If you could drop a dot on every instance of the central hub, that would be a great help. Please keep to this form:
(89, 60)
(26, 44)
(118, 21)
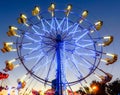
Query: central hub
(58, 38)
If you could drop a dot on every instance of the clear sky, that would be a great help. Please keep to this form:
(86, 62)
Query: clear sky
(106, 10)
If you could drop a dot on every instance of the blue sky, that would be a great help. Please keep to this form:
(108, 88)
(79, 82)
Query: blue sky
(106, 10)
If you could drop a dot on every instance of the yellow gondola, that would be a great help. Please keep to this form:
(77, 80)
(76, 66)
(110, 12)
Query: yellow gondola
(12, 31)
(23, 19)
(36, 11)
(111, 60)
(106, 78)
(98, 25)
(51, 9)
(6, 49)
(83, 16)
(68, 9)
(9, 66)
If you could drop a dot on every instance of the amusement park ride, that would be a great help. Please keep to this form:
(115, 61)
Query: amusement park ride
(58, 48)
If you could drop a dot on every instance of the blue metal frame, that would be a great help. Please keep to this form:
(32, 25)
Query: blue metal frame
(53, 38)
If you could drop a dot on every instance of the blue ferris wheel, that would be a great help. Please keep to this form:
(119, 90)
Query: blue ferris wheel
(58, 46)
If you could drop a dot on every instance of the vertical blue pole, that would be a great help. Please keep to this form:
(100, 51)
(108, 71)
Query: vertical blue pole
(58, 74)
